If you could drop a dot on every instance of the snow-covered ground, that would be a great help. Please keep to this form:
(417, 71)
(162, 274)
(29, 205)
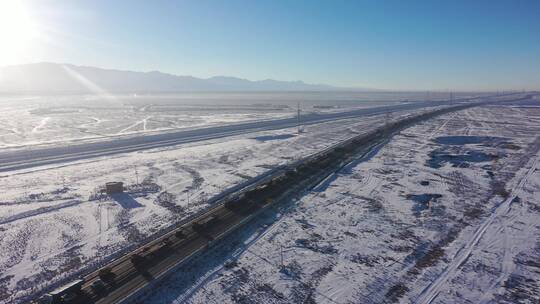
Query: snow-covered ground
(61, 118)
(447, 212)
(54, 220)
(43, 119)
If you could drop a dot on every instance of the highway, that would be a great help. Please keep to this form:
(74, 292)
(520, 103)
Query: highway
(32, 156)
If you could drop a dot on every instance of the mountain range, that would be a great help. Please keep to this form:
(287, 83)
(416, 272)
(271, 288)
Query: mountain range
(68, 78)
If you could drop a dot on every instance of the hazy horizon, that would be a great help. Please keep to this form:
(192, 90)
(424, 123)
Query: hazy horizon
(60, 78)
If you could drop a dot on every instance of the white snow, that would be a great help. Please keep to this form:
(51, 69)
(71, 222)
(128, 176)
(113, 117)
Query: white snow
(53, 119)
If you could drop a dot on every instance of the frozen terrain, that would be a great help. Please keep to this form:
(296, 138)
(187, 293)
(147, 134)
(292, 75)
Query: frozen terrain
(55, 222)
(45, 119)
(446, 212)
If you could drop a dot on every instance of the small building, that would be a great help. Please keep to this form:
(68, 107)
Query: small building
(114, 187)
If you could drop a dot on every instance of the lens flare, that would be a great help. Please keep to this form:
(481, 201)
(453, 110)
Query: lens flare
(17, 31)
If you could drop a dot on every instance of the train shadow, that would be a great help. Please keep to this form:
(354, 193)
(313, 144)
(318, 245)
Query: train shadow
(348, 168)
(125, 200)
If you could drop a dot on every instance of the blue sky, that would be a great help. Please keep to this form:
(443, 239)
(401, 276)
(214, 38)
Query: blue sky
(436, 45)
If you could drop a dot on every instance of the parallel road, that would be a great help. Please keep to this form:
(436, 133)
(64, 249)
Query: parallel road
(36, 156)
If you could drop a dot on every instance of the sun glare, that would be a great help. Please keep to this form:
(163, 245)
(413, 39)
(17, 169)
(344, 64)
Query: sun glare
(17, 31)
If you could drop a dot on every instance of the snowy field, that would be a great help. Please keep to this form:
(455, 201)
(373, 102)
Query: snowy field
(447, 212)
(54, 221)
(38, 120)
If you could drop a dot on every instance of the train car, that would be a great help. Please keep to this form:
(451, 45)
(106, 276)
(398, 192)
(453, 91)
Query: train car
(137, 260)
(235, 204)
(63, 294)
(324, 162)
(202, 226)
(99, 287)
(307, 168)
(289, 174)
(278, 179)
(106, 274)
(180, 234)
(162, 249)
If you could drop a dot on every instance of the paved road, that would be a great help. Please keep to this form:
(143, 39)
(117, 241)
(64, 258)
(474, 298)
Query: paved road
(31, 157)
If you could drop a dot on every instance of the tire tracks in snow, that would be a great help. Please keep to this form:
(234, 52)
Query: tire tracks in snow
(441, 127)
(41, 125)
(39, 211)
(143, 122)
(431, 292)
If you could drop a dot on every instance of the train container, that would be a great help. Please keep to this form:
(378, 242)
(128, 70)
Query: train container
(63, 294)
(137, 260)
(162, 249)
(202, 226)
(106, 274)
(180, 234)
(240, 205)
(99, 287)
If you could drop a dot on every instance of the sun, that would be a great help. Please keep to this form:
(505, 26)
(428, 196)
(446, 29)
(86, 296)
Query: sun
(17, 31)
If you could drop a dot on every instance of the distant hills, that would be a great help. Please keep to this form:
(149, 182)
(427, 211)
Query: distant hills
(68, 78)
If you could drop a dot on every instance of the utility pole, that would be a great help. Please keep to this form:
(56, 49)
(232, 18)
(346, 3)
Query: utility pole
(298, 116)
